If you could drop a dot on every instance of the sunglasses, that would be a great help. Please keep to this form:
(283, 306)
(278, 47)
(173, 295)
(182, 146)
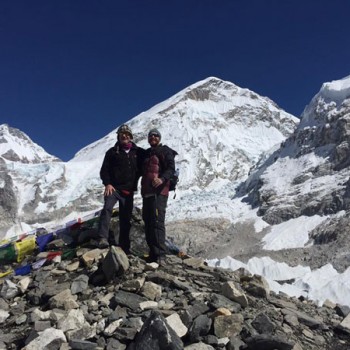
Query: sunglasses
(153, 135)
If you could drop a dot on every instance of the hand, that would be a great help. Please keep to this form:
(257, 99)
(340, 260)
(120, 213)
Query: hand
(109, 189)
(157, 182)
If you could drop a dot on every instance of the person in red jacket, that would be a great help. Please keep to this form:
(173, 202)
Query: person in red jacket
(158, 167)
(119, 174)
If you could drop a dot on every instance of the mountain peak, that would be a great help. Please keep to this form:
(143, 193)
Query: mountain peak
(16, 146)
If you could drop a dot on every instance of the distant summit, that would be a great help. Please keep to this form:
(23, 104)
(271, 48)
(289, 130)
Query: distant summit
(16, 146)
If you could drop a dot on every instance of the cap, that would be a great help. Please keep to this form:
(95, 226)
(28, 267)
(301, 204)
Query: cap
(154, 132)
(125, 129)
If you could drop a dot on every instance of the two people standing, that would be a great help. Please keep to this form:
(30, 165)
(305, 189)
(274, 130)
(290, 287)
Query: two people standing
(122, 166)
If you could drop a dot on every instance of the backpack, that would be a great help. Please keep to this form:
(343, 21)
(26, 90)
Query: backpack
(174, 180)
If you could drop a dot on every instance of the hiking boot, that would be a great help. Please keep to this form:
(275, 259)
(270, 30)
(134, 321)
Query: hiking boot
(150, 259)
(103, 243)
(161, 260)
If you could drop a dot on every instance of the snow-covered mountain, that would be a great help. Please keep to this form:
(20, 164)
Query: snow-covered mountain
(253, 183)
(16, 146)
(219, 130)
(309, 174)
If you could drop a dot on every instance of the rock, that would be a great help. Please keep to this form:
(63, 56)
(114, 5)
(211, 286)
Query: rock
(40, 326)
(192, 312)
(4, 315)
(133, 285)
(73, 320)
(199, 346)
(345, 324)
(197, 313)
(221, 311)
(303, 318)
(200, 328)
(194, 262)
(112, 327)
(148, 305)
(233, 292)
(235, 343)
(92, 256)
(228, 326)
(78, 344)
(24, 283)
(265, 342)
(73, 266)
(218, 301)
(50, 338)
(151, 291)
(64, 300)
(115, 263)
(263, 324)
(342, 310)
(79, 284)
(256, 285)
(130, 300)
(9, 290)
(174, 321)
(157, 335)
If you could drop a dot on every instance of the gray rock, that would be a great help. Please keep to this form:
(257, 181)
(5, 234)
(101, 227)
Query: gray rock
(303, 318)
(232, 291)
(218, 300)
(263, 324)
(9, 290)
(49, 339)
(235, 343)
(40, 326)
(342, 310)
(266, 342)
(199, 346)
(156, 335)
(151, 291)
(4, 315)
(200, 328)
(228, 326)
(79, 284)
(130, 300)
(78, 344)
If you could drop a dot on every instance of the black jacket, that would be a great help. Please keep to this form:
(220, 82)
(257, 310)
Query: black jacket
(121, 169)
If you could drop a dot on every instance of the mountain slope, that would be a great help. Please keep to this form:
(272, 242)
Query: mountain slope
(219, 130)
(16, 146)
(308, 175)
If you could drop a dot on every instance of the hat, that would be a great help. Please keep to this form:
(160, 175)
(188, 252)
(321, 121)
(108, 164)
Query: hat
(155, 132)
(125, 129)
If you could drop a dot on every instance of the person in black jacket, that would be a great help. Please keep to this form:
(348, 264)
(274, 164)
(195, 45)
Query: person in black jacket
(158, 167)
(119, 174)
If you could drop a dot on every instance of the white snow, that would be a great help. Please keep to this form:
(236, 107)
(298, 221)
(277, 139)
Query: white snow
(293, 233)
(337, 90)
(318, 285)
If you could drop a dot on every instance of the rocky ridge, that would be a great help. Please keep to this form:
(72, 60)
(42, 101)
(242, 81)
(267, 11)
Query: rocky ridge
(88, 298)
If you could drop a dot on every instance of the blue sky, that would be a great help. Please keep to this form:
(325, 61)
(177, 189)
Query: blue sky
(73, 70)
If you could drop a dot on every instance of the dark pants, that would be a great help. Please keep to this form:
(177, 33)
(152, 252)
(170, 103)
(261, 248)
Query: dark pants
(126, 204)
(153, 214)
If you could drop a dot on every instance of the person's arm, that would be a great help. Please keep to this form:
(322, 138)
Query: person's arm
(105, 175)
(169, 165)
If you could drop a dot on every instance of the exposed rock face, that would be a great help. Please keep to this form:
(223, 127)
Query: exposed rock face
(8, 200)
(314, 164)
(176, 306)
